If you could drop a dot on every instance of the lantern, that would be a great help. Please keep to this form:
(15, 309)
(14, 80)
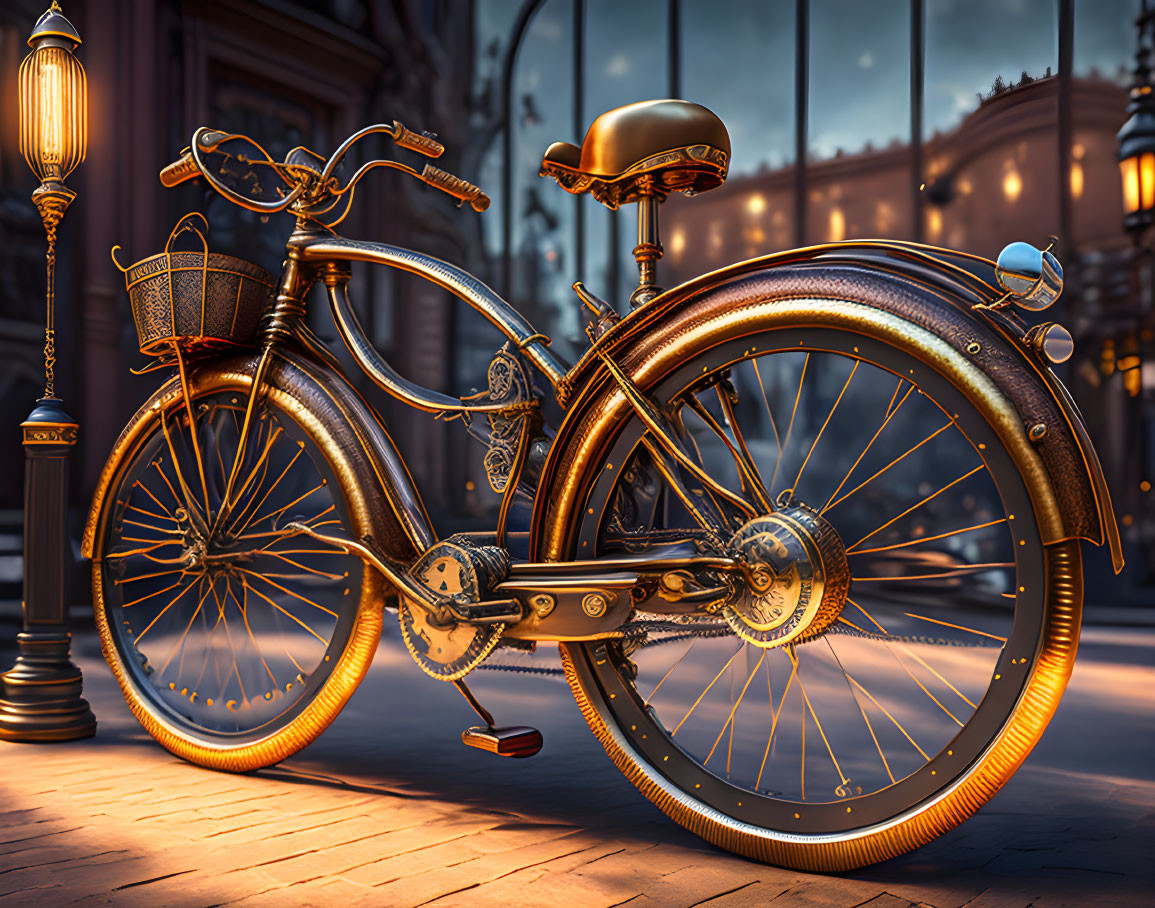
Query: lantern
(53, 100)
(1136, 139)
(1137, 162)
(53, 138)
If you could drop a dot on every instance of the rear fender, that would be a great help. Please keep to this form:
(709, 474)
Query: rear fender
(935, 289)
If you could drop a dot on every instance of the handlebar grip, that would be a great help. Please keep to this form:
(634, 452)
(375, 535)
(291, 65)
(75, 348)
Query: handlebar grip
(456, 187)
(179, 171)
(414, 141)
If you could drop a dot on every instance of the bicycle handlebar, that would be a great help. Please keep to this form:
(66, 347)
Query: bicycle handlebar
(313, 191)
(456, 187)
(185, 168)
(413, 141)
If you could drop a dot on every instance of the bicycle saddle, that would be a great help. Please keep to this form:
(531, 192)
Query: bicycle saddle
(648, 148)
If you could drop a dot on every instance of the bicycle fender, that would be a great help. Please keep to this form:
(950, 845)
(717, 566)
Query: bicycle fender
(400, 526)
(934, 289)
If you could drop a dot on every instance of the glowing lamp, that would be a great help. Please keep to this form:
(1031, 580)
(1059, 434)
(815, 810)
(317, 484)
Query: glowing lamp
(53, 137)
(1136, 158)
(53, 100)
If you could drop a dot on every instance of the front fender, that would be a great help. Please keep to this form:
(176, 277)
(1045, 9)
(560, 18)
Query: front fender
(390, 509)
(935, 289)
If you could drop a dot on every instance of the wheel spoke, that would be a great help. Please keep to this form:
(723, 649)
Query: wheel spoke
(965, 569)
(915, 656)
(922, 539)
(774, 719)
(170, 604)
(861, 710)
(288, 591)
(958, 627)
(790, 425)
(731, 417)
(896, 460)
(915, 507)
(886, 713)
(693, 640)
(829, 416)
(766, 401)
(707, 690)
(246, 585)
(746, 471)
(867, 614)
(922, 687)
(730, 718)
(192, 428)
(233, 528)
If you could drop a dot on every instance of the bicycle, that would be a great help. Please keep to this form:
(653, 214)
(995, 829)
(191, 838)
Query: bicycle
(728, 566)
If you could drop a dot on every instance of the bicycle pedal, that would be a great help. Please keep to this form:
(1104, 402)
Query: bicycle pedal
(514, 741)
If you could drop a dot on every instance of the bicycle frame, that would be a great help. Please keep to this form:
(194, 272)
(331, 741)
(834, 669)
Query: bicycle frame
(321, 250)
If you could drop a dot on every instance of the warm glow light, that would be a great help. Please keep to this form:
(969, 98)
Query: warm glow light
(1076, 180)
(50, 113)
(53, 112)
(1012, 185)
(934, 222)
(756, 204)
(837, 225)
(678, 243)
(1147, 180)
(883, 217)
(1129, 169)
(715, 237)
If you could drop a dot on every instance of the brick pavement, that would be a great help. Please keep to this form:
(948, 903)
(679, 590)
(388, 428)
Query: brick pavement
(388, 808)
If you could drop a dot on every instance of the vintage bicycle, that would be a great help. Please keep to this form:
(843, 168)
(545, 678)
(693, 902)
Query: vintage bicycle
(806, 535)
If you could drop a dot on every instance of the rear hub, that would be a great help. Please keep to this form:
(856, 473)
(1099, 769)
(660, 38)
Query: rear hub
(811, 579)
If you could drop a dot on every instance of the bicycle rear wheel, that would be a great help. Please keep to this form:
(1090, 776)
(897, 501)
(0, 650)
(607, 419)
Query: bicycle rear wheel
(235, 639)
(893, 718)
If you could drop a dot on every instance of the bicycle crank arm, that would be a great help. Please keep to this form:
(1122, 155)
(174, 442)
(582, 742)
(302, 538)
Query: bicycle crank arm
(442, 612)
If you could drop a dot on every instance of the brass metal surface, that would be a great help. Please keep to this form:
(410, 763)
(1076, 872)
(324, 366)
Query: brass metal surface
(931, 287)
(811, 578)
(321, 249)
(643, 148)
(319, 411)
(833, 853)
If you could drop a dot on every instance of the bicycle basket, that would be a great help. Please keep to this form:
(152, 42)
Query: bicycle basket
(197, 299)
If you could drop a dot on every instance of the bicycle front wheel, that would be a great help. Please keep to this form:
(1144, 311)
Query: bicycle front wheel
(235, 638)
(898, 713)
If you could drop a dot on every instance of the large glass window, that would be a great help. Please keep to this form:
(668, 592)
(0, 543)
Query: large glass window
(737, 59)
(858, 176)
(543, 235)
(990, 158)
(625, 61)
(1104, 55)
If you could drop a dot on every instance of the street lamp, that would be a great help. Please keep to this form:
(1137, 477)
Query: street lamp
(1136, 139)
(40, 697)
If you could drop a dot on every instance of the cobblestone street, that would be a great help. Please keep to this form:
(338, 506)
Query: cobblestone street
(388, 808)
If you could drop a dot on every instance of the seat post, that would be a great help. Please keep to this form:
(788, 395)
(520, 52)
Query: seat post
(649, 248)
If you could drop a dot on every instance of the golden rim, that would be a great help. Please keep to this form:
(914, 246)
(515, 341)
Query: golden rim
(354, 660)
(921, 824)
(694, 332)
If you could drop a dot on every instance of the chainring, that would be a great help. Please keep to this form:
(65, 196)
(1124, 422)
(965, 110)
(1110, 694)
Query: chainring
(446, 653)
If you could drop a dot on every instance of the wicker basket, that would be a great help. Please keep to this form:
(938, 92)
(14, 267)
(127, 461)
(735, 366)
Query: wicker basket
(195, 299)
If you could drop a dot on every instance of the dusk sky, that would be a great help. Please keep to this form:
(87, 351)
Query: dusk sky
(738, 58)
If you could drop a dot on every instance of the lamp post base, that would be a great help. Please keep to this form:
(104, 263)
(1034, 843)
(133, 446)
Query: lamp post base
(40, 696)
(42, 699)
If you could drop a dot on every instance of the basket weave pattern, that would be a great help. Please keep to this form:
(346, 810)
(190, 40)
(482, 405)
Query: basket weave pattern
(196, 299)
